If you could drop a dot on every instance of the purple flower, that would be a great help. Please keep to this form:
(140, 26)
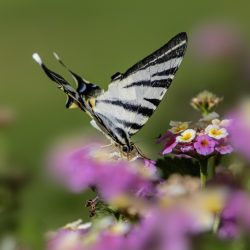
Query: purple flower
(69, 237)
(75, 167)
(170, 143)
(235, 216)
(239, 129)
(162, 230)
(110, 241)
(224, 149)
(92, 165)
(151, 164)
(187, 148)
(204, 145)
(216, 40)
(114, 180)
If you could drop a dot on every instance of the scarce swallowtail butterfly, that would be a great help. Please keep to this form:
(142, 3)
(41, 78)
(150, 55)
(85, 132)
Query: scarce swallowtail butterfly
(131, 98)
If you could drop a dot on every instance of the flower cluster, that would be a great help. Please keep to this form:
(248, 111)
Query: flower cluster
(94, 166)
(205, 102)
(202, 139)
(137, 207)
(165, 222)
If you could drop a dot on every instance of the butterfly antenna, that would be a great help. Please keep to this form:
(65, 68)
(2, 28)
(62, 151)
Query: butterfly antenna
(76, 77)
(59, 60)
(81, 83)
(140, 153)
(62, 63)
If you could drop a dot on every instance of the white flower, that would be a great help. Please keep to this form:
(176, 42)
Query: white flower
(216, 132)
(186, 136)
(222, 123)
(178, 127)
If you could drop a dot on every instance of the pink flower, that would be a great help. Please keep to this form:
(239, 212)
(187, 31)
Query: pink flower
(187, 148)
(170, 143)
(204, 145)
(239, 129)
(235, 216)
(68, 237)
(91, 165)
(163, 230)
(224, 149)
(216, 40)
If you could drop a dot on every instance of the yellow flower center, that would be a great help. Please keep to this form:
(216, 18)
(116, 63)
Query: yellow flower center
(215, 132)
(187, 136)
(179, 128)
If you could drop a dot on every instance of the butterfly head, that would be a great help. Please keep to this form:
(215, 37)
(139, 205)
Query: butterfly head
(131, 151)
(128, 151)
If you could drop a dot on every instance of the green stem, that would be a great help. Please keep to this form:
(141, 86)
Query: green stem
(203, 172)
(216, 223)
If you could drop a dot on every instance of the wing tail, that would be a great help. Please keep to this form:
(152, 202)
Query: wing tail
(74, 98)
(84, 87)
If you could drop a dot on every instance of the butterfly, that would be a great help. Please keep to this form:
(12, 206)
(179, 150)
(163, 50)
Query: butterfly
(132, 97)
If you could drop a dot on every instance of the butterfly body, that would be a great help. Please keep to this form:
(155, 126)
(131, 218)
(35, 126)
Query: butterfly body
(131, 98)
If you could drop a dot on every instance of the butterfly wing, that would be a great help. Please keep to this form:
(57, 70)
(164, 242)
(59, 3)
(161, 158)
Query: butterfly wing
(133, 96)
(78, 97)
(75, 97)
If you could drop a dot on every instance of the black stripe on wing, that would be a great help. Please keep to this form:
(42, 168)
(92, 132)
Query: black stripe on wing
(137, 109)
(112, 128)
(153, 101)
(167, 72)
(126, 124)
(153, 84)
(154, 74)
(155, 57)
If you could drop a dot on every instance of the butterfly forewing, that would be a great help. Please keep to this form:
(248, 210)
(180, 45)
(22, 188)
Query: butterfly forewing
(133, 96)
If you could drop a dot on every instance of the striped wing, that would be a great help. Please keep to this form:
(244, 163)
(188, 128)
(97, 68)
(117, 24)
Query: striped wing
(133, 96)
(75, 97)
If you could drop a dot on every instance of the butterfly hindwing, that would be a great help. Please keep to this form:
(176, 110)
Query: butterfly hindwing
(75, 97)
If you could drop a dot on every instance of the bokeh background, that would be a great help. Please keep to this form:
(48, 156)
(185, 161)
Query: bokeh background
(97, 39)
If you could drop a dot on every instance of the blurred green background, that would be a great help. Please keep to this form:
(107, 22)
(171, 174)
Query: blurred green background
(97, 39)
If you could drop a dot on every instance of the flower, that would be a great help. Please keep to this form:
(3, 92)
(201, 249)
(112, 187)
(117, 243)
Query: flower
(216, 132)
(170, 143)
(178, 185)
(235, 215)
(91, 165)
(186, 136)
(205, 102)
(163, 230)
(222, 123)
(204, 145)
(223, 147)
(217, 40)
(178, 127)
(239, 128)
(68, 237)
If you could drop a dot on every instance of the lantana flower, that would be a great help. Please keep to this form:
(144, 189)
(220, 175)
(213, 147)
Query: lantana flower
(216, 132)
(186, 136)
(204, 145)
(178, 127)
(240, 128)
(206, 137)
(79, 168)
